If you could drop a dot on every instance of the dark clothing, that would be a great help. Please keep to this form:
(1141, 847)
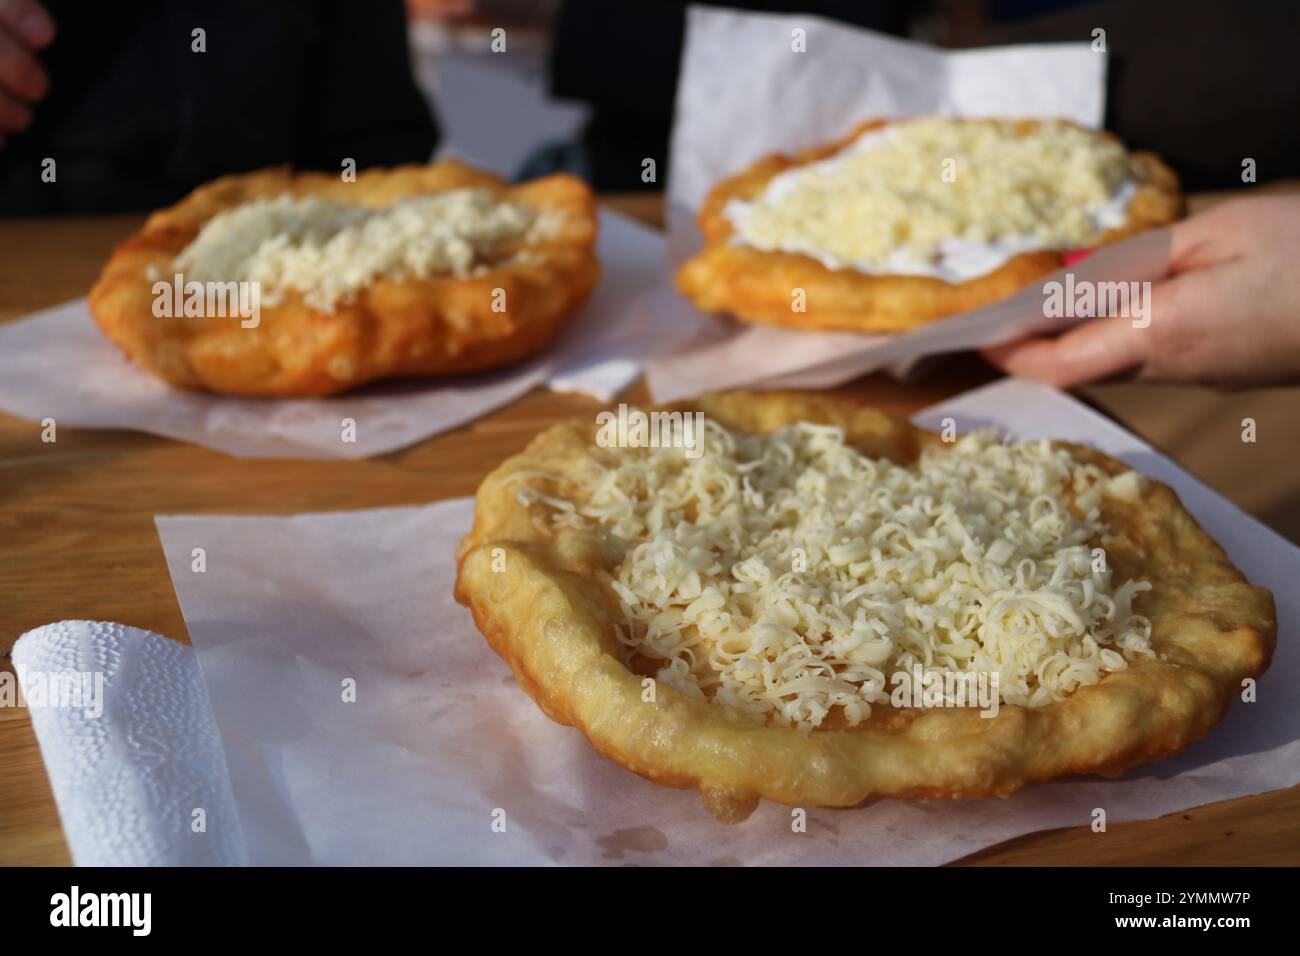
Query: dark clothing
(1206, 84)
(135, 118)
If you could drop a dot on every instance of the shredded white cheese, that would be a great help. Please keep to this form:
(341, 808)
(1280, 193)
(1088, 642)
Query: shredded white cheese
(944, 197)
(789, 575)
(327, 251)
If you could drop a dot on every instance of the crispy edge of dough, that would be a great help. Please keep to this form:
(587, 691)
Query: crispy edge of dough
(551, 620)
(754, 285)
(415, 327)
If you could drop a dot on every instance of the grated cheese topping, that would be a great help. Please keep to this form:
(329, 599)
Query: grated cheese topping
(944, 197)
(789, 575)
(328, 251)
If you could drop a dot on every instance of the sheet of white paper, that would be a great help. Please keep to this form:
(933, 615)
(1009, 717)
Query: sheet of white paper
(440, 738)
(57, 364)
(743, 92)
(780, 358)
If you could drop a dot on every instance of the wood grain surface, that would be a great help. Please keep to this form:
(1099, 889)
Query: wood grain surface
(77, 538)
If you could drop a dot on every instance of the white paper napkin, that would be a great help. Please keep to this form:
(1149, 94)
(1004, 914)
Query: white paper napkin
(57, 364)
(130, 745)
(439, 737)
(743, 93)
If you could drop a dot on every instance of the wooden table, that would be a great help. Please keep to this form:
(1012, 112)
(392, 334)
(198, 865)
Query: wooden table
(77, 538)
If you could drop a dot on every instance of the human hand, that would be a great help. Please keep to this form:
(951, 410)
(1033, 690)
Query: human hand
(1227, 314)
(25, 27)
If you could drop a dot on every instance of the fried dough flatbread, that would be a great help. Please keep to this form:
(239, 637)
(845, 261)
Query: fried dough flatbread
(441, 324)
(755, 284)
(541, 593)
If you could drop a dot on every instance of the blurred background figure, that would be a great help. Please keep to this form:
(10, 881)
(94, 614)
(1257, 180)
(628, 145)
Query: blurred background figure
(134, 115)
(1198, 81)
(136, 108)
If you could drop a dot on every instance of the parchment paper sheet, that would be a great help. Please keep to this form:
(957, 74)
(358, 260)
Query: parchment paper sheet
(440, 736)
(57, 364)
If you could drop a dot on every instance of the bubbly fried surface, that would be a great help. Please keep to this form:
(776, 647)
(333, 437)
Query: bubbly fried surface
(552, 616)
(440, 325)
(755, 285)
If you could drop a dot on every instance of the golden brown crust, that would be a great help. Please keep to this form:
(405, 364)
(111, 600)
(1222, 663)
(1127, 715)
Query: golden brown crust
(551, 617)
(756, 286)
(435, 326)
